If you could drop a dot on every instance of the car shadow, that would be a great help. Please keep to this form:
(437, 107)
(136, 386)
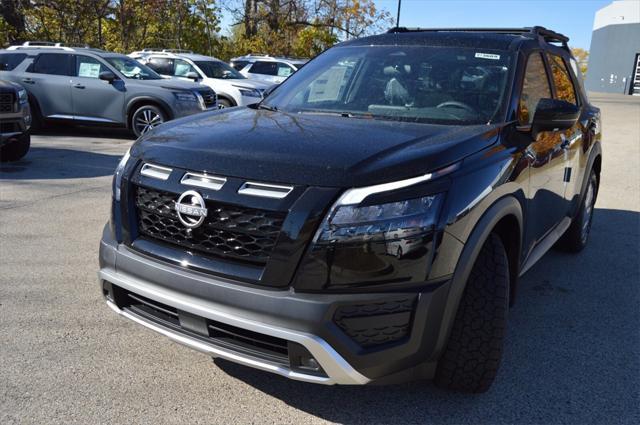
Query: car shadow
(59, 163)
(571, 356)
(74, 130)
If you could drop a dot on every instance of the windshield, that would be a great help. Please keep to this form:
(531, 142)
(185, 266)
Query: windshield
(216, 69)
(131, 68)
(448, 85)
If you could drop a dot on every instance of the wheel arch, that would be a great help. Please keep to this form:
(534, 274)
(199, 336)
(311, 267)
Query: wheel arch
(505, 217)
(228, 98)
(146, 100)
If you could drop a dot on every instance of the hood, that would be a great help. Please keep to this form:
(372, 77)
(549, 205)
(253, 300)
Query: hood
(252, 84)
(170, 83)
(9, 87)
(316, 150)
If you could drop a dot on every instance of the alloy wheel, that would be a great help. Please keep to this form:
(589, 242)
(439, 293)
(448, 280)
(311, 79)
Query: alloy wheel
(146, 119)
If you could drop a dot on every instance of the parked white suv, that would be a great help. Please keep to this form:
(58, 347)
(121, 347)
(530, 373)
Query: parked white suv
(266, 68)
(232, 88)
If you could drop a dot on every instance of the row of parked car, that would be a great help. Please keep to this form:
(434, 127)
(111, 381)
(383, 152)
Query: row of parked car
(139, 91)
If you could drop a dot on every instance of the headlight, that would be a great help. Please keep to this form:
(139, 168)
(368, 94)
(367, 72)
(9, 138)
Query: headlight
(185, 96)
(381, 222)
(117, 177)
(22, 95)
(250, 92)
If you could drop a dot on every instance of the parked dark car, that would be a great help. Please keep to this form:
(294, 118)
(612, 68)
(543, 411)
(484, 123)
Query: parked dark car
(369, 220)
(15, 121)
(92, 86)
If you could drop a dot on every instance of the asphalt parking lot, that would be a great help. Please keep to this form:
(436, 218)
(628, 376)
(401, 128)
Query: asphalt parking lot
(572, 355)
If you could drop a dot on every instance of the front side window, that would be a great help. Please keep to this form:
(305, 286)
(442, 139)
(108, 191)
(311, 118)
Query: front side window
(561, 79)
(534, 88)
(52, 64)
(183, 68)
(131, 68)
(162, 66)
(217, 69)
(8, 61)
(265, 68)
(88, 67)
(284, 70)
(448, 85)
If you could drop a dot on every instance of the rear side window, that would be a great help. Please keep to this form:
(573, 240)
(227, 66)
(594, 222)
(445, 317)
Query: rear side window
(8, 61)
(266, 68)
(161, 65)
(239, 64)
(562, 80)
(534, 88)
(52, 64)
(89, 67)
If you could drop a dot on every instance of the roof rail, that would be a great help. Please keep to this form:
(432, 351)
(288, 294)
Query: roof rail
(178, 51)
(40, 45)
(543, 33)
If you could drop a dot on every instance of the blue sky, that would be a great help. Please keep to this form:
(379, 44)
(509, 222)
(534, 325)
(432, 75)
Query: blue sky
(573, 18)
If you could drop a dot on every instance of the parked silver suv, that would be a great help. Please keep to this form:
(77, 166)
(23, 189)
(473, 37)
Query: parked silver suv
(94, 86)
(269, 69)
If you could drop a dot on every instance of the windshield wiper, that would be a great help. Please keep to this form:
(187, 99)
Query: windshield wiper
(334, 113)
(267, 107)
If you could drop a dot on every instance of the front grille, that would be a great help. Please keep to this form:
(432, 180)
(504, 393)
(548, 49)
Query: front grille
(254, 344)
(378, 323)
(209, 98)
(9, 127)
(6, 102)
(229, 231)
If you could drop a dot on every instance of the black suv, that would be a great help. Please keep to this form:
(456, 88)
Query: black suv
(369, 220)
(15, 121)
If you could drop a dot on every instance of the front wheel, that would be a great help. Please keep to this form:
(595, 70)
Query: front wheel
(16, 149)
(472, 357)
(146, 118)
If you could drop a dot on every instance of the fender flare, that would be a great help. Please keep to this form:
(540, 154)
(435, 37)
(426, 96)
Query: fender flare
(148, 99)
(503, 207)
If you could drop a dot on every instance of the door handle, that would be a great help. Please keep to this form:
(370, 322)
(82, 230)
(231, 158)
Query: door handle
(78, 86)
(28, 80)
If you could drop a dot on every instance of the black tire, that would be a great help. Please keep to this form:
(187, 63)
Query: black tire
(37, 122)
(576, 237)
(471, 360)
(16, 150)
(145, 118)
(224, 103)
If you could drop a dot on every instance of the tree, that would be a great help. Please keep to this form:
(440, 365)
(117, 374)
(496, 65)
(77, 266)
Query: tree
(582, 57)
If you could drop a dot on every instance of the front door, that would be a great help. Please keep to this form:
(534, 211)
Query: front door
(547, 158)
(95, 99)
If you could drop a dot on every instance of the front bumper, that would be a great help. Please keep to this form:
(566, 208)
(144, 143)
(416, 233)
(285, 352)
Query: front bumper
(14, 124)
(307, 320)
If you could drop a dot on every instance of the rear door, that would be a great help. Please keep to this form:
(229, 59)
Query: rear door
(546, 153)
(93, 98)
(48, 79)
(269, 71)
(573, 138)
(161, 65)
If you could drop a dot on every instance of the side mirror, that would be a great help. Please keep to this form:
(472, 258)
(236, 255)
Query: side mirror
(107, 76)
(554, 114)
(192, 75)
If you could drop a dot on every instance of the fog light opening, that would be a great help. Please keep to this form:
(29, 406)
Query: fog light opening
(302, 361)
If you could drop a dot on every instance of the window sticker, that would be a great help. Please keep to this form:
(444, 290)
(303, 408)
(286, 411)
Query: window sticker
(87, 69)
(488, 56)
